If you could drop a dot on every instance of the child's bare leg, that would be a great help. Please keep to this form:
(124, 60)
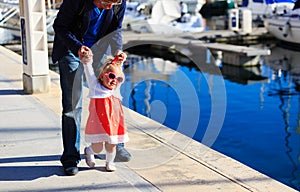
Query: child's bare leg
(110, 147)
(110, 156)
(90, 151)
(97, 147)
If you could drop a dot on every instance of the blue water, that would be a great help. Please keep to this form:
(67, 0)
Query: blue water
(252, 115)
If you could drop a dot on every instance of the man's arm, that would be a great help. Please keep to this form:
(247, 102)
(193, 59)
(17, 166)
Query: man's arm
(66, 17)
(116, 41)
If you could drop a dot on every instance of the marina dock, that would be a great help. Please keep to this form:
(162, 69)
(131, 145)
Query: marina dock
(163, 159)
(191, 45)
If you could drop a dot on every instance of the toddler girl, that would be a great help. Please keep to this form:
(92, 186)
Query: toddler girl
(105, 124)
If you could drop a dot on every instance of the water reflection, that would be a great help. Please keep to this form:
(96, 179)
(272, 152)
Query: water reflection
(263, 106)
(154, 89)
(142, 69)
(284, 83)
(286, 70)
(243, 75)
(284, 107)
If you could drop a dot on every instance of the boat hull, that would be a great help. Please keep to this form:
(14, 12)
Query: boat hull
(284, 28)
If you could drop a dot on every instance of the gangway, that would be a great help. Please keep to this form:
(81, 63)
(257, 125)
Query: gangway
(10, 16)
(8, 10)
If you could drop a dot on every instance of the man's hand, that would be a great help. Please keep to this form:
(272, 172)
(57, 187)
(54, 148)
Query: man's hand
(122, 56)
(85, 54)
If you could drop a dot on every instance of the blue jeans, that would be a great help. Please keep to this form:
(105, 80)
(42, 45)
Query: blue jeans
(71, 78)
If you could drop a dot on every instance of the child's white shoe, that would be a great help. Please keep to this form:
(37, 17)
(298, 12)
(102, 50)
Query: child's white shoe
(110, 167)
(89, 159)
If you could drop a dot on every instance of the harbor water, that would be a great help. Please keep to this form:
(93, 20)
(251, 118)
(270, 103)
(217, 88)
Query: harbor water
(260, 104)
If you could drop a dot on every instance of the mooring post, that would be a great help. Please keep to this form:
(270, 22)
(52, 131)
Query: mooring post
(36, 77)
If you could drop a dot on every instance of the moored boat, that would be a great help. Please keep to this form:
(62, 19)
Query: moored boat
(285, 27)
(266, 8)
(164, 20)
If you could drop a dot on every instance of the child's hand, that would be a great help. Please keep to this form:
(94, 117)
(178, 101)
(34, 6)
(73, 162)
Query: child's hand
(121, 56)
(85, 54)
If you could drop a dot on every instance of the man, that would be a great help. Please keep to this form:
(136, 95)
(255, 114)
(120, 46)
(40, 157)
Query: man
(82, 23)
(183, 10)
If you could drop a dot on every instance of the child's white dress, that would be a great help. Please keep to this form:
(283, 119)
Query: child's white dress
(106, 118)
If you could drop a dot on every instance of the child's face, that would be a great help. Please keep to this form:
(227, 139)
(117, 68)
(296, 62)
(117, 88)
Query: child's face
(111, 78)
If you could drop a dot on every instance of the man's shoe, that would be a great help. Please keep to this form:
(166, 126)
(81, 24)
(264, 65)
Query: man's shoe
(70, 171)
(122, 155)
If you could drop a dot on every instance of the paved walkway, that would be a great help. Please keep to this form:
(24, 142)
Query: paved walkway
(163, 160)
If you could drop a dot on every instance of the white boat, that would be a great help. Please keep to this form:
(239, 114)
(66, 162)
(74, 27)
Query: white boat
(163, 20)
(266, 8)
(134, 13)
(285, 27)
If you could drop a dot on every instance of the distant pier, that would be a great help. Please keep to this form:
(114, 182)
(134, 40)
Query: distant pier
(190, 43)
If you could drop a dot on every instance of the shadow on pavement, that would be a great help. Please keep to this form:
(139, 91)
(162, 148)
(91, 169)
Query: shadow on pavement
(30, 159)
(27, 173)
(31, 172)
(12, 92)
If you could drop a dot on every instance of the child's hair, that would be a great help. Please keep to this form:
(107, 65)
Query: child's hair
(109, 63)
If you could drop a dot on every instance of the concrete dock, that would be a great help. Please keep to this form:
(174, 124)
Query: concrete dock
(190, 44)
(163, 160)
